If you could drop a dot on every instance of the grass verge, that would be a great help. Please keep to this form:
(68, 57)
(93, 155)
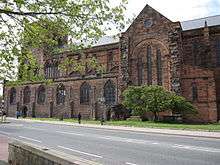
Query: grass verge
(146, 124)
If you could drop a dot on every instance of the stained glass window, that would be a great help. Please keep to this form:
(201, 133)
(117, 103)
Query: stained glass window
(149, 66)
(109, 93)
(85, 93)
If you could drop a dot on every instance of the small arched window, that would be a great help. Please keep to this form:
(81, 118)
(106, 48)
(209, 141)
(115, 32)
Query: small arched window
(85, 93)
(41, 96)
(159, 68)
(27, 95)
(12, 96)
(109, 93)
(61, 94)
(194, 92)
(149, 65)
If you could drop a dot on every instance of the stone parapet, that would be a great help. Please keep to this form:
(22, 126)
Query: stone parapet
(24, 153)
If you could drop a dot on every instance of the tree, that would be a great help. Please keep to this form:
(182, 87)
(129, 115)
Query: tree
(155, 99)
(36, 21)
(180, 105)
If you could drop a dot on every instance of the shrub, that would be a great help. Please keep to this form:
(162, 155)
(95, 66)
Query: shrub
(155, 99)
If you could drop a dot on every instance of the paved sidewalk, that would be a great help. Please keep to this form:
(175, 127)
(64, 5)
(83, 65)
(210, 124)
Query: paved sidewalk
(204, 134)
(3, 149)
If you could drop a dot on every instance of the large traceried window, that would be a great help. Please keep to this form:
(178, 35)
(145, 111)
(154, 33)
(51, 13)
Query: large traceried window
(149, 65)
(109, 93)
(12, 95)
(194, 92)
(218, 52)
(140, 71)
(61, 94)
(159, 68)
(27, 95)
(85, 93)
(41, 95)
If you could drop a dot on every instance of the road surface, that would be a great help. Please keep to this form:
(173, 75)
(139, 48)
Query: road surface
(115, 147)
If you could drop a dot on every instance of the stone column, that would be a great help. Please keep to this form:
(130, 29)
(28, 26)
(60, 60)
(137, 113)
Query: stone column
(176, 57)
(124, 65)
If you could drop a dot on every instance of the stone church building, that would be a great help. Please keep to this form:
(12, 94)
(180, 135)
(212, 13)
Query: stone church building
(183, 57)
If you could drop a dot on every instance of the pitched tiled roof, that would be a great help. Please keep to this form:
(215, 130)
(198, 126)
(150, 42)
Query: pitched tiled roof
(199, 23)
(106, 40)
(186, 25)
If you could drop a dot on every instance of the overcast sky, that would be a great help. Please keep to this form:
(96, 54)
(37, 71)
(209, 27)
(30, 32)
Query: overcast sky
(177, 10)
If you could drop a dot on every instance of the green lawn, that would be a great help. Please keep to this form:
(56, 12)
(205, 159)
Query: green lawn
(146, 124)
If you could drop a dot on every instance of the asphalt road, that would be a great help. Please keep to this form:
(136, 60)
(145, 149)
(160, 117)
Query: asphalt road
(114, 147)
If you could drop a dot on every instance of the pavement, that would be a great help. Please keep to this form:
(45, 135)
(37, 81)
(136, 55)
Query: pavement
(115, 146)
(3, 149)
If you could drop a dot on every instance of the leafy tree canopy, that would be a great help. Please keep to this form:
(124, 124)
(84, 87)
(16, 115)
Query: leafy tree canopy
(155, 99)
(46, 23)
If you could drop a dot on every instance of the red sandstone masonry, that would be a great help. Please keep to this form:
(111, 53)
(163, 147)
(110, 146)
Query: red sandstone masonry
(178, 73)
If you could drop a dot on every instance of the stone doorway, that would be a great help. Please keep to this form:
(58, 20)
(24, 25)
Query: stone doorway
(72, 109)
(218, 111)
(51, 109)
(24, 112)
(33, 109)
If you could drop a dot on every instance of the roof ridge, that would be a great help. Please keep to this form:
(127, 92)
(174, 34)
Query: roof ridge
(201, 18)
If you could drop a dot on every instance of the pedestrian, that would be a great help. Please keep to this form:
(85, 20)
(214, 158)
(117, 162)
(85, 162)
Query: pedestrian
(102, 121)
(4, 116)
(17, 114)
(79, 118)
(1, 115)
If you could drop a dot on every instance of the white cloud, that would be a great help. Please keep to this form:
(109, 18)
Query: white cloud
(177, 10)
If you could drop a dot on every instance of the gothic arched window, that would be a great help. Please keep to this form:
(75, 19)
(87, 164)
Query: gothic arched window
(218, 52)
(61, 94)
(110, 59)
(140, 71)
(194, 92)
(149, 66)
(159, 68)
(12, 96)
(27, 95)
(109, 93)
(195, 53)
(41, 95)
(85, 93)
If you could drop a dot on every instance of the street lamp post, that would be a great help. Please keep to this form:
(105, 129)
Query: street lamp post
(102, 103)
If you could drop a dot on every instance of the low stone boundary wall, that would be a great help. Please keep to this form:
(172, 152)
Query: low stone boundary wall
(21, 153)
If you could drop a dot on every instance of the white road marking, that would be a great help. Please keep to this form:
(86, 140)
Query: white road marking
(39, 129)
(77, 151)
(125, 140)
(70, 133)
(215, 150)
(23, 137)
(130, 163)
(112, 138)
(155, 143)
(15, 125)
(6, 133)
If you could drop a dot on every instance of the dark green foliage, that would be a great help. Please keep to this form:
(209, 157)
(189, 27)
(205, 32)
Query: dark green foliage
(155, 99)
(121, 112)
